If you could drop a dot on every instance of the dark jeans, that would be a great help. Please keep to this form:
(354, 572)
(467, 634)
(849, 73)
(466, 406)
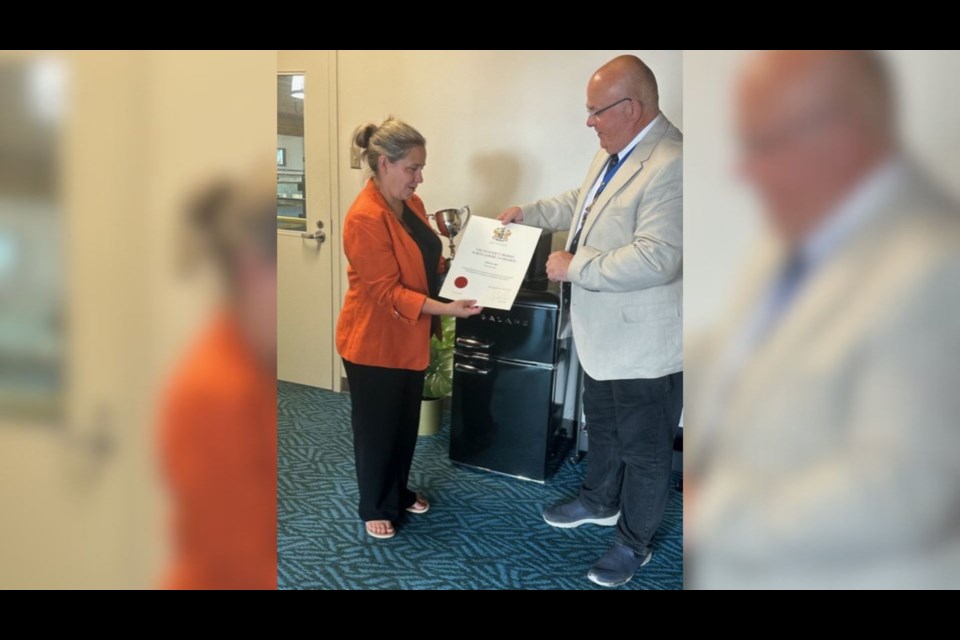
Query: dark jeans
(631, 425)
(385, 418)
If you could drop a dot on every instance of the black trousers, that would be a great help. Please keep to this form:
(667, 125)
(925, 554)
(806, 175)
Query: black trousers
(631, 425)
(385, 418)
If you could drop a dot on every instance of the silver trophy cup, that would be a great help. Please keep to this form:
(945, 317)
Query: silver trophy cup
(449, 223)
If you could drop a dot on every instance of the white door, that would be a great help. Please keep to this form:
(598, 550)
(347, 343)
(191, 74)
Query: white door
(306, 158)
(65, 490)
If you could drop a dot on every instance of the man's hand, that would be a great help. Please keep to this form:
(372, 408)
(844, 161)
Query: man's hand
(557, 265)
(513, 214)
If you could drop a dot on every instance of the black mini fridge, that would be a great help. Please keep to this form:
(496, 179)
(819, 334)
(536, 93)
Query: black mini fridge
(513, 405)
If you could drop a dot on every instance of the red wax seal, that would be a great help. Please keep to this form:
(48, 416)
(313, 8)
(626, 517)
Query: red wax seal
(460, 282)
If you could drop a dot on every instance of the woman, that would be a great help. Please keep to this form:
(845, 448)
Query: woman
(218, 432)
(383, 334)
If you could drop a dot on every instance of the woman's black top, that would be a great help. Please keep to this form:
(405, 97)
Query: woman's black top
(430, 247)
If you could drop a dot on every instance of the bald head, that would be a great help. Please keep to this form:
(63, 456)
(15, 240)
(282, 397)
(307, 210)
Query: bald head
(629, 88)
(631, 77)
(852, 82)
(812, 124)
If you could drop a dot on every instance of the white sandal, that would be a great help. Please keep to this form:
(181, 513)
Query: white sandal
(420, 500)
(380, 536)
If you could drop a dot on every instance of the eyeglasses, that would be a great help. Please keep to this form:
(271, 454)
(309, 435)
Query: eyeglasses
(766, 143)
(599, 112)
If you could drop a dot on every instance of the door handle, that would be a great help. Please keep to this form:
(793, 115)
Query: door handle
(473, 343)
(469, 368)
(88, 449)
(319, 236)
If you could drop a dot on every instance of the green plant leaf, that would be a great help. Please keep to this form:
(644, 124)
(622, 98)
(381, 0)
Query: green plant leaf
(438, 381)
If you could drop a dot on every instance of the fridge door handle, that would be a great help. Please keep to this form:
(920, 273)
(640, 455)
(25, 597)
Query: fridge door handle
(473, 343)
(469, 368)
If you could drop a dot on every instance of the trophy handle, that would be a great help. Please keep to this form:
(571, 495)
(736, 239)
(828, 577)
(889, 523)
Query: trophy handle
(465, 211)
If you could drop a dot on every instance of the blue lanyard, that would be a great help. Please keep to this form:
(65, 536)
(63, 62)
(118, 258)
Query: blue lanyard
(610, 173)
(586, 210)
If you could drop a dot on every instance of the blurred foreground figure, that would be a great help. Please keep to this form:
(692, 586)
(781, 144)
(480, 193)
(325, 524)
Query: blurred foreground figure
(218, 436)
(824, 415)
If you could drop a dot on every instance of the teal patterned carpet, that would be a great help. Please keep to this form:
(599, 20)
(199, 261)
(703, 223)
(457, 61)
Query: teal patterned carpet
(483, 531)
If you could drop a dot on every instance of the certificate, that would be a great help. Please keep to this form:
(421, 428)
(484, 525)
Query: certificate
(490, 263)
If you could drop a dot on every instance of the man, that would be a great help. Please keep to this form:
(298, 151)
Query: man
(823, 441)
(623, 269)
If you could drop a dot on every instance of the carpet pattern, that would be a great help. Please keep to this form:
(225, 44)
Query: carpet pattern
(483, 531)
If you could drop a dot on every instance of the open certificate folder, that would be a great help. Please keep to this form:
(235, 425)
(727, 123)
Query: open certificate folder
(490, 264)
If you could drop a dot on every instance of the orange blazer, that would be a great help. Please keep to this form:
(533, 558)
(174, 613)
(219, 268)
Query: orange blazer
(218, 444)
(380, 324)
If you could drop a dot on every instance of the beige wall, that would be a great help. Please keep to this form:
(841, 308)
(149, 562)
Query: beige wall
(502, 127)
(721, 218)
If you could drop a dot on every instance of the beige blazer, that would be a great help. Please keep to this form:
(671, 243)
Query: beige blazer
(627, 275)
(834, 460)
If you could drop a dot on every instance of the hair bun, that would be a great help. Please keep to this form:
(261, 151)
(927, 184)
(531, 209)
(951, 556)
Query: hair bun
(363, 134)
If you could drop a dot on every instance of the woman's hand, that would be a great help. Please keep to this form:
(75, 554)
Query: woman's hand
(462, 308)
(457, 308)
